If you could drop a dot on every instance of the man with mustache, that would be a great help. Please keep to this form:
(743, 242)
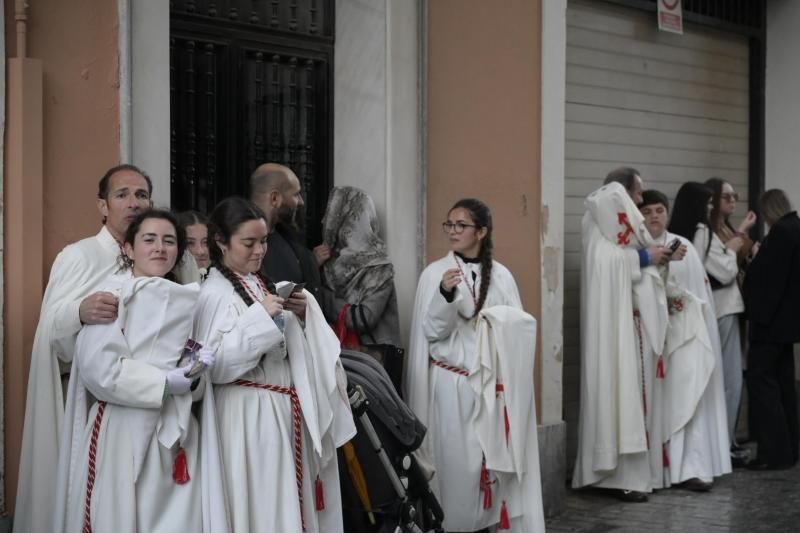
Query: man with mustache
(71, 301)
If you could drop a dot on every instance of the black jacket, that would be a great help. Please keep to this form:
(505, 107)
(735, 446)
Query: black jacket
(772, 286)
(298, 265)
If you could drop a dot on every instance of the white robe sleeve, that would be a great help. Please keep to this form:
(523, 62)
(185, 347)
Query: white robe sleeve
(111, 374)
(442, 316)
(240, 339)
(719, 261)
(61, 312)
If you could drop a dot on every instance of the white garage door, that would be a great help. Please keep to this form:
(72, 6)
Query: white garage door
(673, 106)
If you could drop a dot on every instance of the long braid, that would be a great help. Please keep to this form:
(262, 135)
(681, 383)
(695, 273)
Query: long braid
(485, 255)
(236, 282)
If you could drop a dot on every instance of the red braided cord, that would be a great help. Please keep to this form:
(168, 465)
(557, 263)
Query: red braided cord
(297, 417)
(454, 369)
(98, 420)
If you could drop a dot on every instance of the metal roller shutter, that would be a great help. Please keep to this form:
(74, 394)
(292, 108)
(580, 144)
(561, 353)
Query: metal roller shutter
(673, 106)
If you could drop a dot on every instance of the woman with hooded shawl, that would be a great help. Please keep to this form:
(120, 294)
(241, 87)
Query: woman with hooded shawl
(359, 273)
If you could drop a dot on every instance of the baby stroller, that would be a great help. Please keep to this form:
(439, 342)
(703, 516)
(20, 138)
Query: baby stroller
(384, 490)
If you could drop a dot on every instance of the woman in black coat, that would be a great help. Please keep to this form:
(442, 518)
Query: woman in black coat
(772, 300)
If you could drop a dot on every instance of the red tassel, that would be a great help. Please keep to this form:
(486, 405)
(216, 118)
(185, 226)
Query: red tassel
(500, 388)
(486, 486)
(505, 523)
(665, 455)
(319, 492)
(180, 470)
(660, 368)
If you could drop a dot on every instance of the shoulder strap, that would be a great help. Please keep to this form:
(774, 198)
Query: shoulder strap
(362, 319)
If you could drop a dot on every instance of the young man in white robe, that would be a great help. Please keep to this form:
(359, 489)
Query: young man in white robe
(690, 441)
(71, 300)
(613, 439)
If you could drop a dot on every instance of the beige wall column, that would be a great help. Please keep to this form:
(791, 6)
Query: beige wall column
(63, 134)
(23, 234)
(484, 136)
(554, 51)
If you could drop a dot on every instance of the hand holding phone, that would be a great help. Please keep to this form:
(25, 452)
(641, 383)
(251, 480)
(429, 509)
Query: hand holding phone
(284, 291)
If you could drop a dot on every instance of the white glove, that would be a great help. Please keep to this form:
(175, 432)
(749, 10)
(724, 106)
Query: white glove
(202, 361)
(177, 382)
(207, 357)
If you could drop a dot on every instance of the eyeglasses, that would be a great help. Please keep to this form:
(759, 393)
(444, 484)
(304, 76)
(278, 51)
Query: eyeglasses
(458, 227)
(730, 196)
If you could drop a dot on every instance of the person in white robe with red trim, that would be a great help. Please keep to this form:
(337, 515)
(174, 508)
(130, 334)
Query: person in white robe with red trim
(474, 396)
(280, 401)
(690, 396)
(129, 452)
(613, 443)
(77, 274)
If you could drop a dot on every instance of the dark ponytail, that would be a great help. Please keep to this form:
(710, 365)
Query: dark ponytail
(482, 218)
(226, 218)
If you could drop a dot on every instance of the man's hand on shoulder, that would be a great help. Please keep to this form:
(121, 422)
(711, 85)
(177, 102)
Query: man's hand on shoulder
(98, 308)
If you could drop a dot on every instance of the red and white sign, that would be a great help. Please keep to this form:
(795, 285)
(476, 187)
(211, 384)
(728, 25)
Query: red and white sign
(670, 16)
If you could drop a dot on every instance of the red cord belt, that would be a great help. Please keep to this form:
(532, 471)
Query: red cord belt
(297, 417)
(455, 369)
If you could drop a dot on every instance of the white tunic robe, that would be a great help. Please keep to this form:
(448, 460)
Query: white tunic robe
(612, 433)
(118, 453)
(78, 271)
(255, 428)
(695, 397)
(446, 403)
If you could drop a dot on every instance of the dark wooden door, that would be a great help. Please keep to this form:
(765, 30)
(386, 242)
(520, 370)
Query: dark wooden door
(250, 82)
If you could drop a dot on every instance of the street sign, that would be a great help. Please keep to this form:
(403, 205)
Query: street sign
(670, 16)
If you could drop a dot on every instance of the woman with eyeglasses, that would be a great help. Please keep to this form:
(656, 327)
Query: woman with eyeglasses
(445, 388)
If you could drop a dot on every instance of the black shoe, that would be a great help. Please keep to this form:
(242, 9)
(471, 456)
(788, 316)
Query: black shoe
(697, 485)
(630, 496)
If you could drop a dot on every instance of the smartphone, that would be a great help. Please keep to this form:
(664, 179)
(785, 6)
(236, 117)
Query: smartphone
(675, 244)
(298, 287)
(284, 291)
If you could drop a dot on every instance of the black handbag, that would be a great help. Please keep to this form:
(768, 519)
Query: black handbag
(388, 355)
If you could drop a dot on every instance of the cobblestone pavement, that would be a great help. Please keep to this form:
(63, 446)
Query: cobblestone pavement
(744, 501)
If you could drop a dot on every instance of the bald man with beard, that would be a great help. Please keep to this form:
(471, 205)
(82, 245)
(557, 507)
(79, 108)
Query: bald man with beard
(276, 190)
